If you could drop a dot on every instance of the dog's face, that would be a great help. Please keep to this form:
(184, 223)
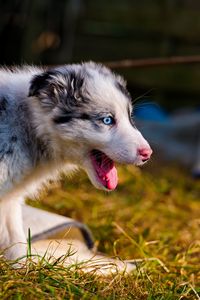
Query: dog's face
(90, 110)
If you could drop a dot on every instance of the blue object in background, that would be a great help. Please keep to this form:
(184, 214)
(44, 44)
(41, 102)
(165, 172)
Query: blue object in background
(150, 112)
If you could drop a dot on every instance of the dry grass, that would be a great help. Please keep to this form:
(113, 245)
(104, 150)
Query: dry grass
(152, 214)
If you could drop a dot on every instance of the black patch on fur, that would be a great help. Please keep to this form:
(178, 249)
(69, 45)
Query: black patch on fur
(85, 116)
(13, 139)
(62, 119)
(43, 149)
(6, 149)
(3, 104)
(122, 89)
(77, 81)
(9, 151)
(39, 82)
(70, 116)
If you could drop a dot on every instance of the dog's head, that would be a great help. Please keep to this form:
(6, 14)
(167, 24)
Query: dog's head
(89, 110)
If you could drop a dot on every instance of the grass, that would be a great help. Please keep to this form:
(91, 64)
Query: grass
(152, 214)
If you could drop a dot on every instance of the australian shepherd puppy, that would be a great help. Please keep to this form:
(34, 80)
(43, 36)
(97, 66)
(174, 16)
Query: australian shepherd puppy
(59, 120)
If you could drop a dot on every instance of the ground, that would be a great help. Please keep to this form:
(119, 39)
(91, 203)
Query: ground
(153, 213)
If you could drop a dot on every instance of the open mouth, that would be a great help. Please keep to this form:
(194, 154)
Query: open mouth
(106, 173)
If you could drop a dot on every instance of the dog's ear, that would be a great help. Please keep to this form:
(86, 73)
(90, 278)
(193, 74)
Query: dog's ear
(38, 83)
(53, 87)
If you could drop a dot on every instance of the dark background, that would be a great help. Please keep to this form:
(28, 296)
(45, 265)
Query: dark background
(54, 32)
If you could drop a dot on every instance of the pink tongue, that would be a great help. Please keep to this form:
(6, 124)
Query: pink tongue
(111, 178)
(105, 169)
(108, 174)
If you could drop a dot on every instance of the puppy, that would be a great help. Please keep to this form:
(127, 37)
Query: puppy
(59, 120)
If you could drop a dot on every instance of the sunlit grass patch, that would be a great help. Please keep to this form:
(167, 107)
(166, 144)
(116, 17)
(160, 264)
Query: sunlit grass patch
(153, 216)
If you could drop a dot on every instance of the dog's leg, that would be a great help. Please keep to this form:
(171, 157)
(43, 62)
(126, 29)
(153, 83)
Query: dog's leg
(12, 237)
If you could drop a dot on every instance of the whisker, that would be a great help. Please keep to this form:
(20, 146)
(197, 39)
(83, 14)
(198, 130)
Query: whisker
(145, 104)
(134, 101)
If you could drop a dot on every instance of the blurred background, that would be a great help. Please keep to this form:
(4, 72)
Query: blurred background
(53, 32)
(64, 31)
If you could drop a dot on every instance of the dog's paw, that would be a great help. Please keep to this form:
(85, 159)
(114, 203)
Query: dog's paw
(16, 252)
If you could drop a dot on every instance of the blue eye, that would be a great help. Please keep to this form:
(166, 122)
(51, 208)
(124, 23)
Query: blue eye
(108, 120)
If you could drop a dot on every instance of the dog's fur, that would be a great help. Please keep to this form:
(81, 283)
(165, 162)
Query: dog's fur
(50, 120)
